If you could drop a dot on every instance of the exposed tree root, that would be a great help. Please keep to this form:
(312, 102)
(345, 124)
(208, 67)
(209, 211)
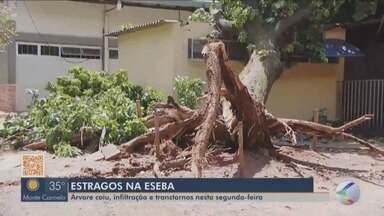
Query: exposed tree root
(363, 142)
(126, 171)
(313, 128)
(169, 112)
(206, 126)
(40, 145)
(295, 168)
(288, 159)
(167, 132)
(320, 129)
(366, 180)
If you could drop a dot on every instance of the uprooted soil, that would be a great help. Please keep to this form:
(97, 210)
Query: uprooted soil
(370, 180)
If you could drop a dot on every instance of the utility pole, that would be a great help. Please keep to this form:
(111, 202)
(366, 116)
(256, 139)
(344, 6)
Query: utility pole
(105, 46)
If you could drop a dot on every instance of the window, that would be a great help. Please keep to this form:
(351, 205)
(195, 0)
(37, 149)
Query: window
(113, 54)
(49, 50)
(90, 53)
(195, 46)
(27, 49)
(235, 50)
(77, 52)
(70, 52)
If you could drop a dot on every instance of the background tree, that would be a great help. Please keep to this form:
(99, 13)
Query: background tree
(7, 26)
(275, 29)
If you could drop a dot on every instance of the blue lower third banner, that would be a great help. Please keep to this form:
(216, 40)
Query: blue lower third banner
(44, 189)
(57, 189)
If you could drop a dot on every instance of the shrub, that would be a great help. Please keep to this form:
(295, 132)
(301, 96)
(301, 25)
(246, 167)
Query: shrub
(18, 129)
(88, 100)
(66, 150)
(149, 97)
(188, 90)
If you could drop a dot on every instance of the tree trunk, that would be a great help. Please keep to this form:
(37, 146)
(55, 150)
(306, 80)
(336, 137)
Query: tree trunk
(245, 107)
(262, 70)
(258, 77)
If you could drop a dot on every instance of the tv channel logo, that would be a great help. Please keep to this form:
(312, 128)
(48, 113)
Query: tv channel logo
(347, 192)
(44, 189)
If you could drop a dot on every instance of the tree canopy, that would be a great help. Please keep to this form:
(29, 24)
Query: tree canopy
(7, 26)
(291, 26)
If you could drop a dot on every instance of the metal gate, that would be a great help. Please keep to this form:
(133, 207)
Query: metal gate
(359, 97)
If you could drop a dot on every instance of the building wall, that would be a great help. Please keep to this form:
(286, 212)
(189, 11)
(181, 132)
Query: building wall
(59, 17)
(303, 88)
(194, 67)
(148, 56)
(34, 72)
(3, 67)
(155, 56)
(7, 97)
(163, 50)
(335, 33)
(184, 65)
(65, 23)
(308, 86)
(83, 19)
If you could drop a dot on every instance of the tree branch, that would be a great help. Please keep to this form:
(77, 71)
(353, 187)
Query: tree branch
(283, 25)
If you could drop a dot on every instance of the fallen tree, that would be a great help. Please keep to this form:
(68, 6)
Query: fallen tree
(205, 126)
(274, 32)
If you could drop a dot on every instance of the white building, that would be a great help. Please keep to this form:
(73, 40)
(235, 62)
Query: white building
(52, 36)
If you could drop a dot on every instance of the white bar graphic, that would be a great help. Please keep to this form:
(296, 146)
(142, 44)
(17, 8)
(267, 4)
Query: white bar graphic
(192, 197)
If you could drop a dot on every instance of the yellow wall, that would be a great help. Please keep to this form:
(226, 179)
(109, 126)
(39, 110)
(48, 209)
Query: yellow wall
(154, 56)
(183, 65)
(308, 86)
(304, 88)
(148, 56)
(335, 33)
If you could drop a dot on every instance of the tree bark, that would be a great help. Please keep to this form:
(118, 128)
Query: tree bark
(253, 86)
(214, 85)
(262, 70)
(245, 107)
